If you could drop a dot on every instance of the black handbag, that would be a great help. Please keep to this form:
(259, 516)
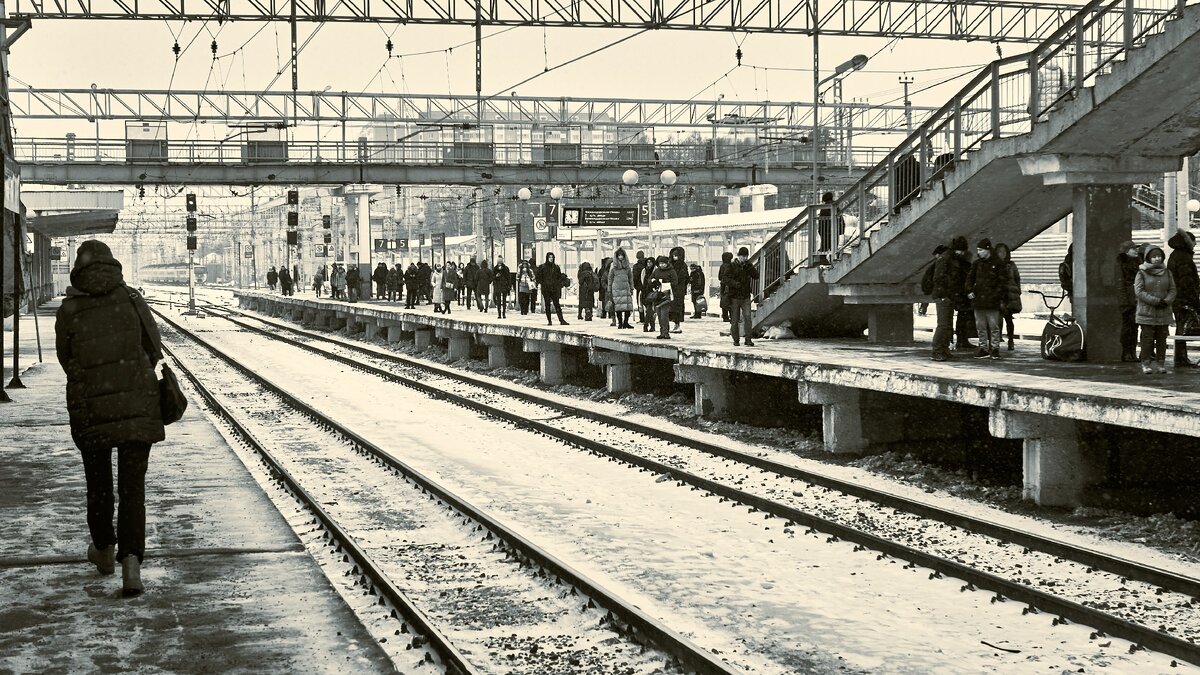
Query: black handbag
(171, 401)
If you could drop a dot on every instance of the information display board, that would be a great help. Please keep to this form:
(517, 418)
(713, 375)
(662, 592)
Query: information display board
(600, 216)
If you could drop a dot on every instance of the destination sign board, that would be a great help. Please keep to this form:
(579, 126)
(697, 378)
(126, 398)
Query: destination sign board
(600, 216)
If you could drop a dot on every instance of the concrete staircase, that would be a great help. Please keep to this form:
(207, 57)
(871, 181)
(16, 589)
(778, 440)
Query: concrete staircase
(1014, 142)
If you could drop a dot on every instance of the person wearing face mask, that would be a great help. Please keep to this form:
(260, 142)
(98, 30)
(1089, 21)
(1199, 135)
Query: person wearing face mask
(1155, 291)
(1128, 261)
(987, 285)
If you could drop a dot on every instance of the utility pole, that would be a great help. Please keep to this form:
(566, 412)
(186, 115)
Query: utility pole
(907, 80)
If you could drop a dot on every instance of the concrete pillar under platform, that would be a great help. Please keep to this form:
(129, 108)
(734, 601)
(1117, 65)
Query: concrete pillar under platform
(309, 316)
(841, 414)
(322, 318)
(1057, 467)
(712, 388)
(890, 323)
(458, 343)
(297, 313)
(370, 328)
(550, 359)
(1103, 219)
(422, 338)
(394, 333)
(618, 368)
(497, 346)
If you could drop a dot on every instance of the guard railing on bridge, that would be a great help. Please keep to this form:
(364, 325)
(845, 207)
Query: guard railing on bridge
(760, 154)
(1007, 98)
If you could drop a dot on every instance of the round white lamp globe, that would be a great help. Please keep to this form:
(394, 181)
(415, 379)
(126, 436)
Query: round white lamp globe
(524, 194)
(556, 193)
(668, 177)
(630, 177)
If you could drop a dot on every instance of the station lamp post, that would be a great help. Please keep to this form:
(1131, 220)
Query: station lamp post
(847, 67)
(1193, 205)
(666, 179)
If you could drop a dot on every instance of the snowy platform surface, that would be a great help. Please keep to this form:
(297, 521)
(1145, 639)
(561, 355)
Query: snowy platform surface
(229, 587)
(1020, 381)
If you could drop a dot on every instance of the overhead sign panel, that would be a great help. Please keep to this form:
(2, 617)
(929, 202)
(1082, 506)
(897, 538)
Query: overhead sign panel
(600, 216)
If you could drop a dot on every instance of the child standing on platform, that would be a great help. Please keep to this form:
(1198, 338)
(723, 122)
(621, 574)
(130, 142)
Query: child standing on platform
(1155, 291)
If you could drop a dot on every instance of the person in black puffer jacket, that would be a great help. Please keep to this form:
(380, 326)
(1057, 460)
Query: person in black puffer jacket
(679, 288)
(1128, 261)
(987, 288)
(1187, 286)
(112, 401)
(549, 277)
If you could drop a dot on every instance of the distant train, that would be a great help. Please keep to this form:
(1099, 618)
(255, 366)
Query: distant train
(172, 273)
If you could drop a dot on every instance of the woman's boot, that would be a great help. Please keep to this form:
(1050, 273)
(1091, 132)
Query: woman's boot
(131, 576)
(103, 558)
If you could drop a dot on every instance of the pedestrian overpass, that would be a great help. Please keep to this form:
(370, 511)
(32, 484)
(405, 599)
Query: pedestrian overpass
(1068, 127)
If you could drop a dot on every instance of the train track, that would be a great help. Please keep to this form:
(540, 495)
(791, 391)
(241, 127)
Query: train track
(1133, 601)
(297, 426)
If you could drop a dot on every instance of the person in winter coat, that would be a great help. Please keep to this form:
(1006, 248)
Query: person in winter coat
(605, 310)
(337, 282)
(964, 325)
(526, 285)
(272, 278)
(620, 288)
(659, 301)
(1129, 259)
(469, 279)
(439, 289)
(451, 282)
(639, 272)
(425, 282)
(699, 286)
(1012, 294)
(285, 282)
(723, 281)
(987, 287)
(353, 283)
(550, 279)
(379, 276)
(107, 345)
(1156, 292)
(1187, 286)
(740, 280)
(501, 287)
(319, 280)
(589, 283)
(1066, 273)
(394, 282)
(947, 284)
(679, 289)
(412, 285)
(483, 283)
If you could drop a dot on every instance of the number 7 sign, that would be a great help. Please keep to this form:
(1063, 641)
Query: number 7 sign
(552, 213)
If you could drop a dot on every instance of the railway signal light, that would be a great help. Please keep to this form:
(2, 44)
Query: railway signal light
(292, 238)
(326, 221)
(191, 223)
(293, 198)
(191, 243)
(293, 219)
(191, 202)
(328, 238)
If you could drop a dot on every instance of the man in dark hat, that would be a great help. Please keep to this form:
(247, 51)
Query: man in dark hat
(987, 285)
(107, 345)
(947, 286)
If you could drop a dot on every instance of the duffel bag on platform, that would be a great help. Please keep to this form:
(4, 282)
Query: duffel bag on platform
(1063, 341)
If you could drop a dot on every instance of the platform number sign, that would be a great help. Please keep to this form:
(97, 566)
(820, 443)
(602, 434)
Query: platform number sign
(552, 213)
(644, 214)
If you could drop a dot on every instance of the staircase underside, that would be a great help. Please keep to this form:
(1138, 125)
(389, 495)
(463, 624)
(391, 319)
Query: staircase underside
(1148, 107)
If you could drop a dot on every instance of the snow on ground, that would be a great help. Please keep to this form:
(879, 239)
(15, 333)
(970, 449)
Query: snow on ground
(735, 582)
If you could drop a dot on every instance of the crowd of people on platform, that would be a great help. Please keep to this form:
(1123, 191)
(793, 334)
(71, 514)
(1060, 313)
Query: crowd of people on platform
(656, 288)
(978, 296)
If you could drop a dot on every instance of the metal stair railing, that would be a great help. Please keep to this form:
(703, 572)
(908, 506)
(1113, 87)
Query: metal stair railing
(1009, 97)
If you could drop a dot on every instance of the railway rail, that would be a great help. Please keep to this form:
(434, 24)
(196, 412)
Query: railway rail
(635, 625)
(1120, 597)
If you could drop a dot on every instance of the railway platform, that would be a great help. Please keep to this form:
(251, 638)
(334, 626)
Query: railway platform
(226, 589)
(1061, 418)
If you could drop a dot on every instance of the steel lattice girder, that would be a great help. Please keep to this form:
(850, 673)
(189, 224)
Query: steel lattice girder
(993, 20)
(185, 106)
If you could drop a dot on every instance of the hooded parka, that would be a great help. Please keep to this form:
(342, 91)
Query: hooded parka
(620, 283)
(112, 390)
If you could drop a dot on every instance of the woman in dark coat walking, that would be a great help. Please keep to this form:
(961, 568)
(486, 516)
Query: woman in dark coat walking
(587, 285)
(112, 399)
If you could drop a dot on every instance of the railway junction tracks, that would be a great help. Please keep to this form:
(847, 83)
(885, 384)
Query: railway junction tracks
(1153, 608)
(470, 592)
